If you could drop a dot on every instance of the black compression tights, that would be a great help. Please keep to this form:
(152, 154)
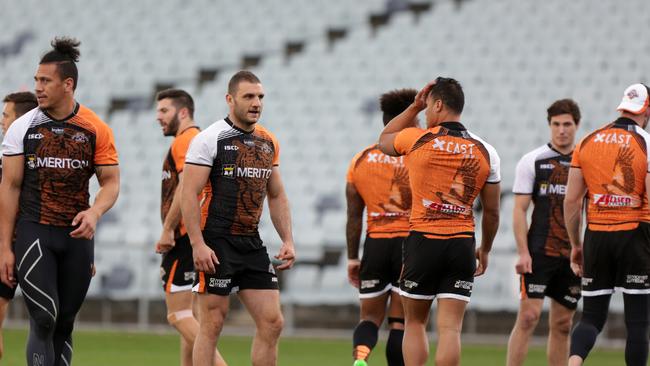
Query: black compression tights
(54, 274)
(593, 319)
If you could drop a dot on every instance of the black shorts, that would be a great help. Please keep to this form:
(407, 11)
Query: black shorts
(438, 267)
(552, 277)
(616, 260)
(177, 267)
(244, 264)
(7, 292)
(381, 265)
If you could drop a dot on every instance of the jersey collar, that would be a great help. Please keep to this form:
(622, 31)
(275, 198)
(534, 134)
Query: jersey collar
(453, 125)
(550, 146)
(74, 113)
(232, 124)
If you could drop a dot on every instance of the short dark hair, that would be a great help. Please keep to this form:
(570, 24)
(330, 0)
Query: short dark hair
(23, 102)
(395, 102)
(65, 55)
(564, 106)
(450, 92)
(243, 75)
(180, 99)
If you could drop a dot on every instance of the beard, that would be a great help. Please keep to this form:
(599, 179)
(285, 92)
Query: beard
(172, 126)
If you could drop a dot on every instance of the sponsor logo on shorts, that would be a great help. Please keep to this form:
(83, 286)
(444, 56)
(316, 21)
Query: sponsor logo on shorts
(536, 289)
(547, 188)
(448, 208)
(189, 276)
(271, 269)
(570, 299)
(35, 136)
(636, 279)
(220, 283)
(410, 284)
(166, 174)
(369, 283)
(574, 290)
(612, 200)
(465, 285)
(586, 281)
(274, 279)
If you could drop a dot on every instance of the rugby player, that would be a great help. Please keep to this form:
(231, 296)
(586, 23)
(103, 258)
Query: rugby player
(15, 105)
(544, 248)
(240, 159)
(448, 168)
(380, 183)
(50, 154)
(175, 114)
(610, 169)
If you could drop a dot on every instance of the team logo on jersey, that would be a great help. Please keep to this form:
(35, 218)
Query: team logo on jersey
(80, 137)
(612, 200)
(228, 170)
(31, 161)
(58, 130)
(266, 148)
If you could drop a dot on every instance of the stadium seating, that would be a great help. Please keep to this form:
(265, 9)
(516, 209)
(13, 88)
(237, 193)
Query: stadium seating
(513, 58)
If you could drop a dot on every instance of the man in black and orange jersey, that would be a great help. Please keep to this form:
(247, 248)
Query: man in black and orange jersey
(239, 159)
(175, 113)
(379, 183)
(609, 169)
(50, 154)
(15, 105)
(544, 248)
(448, 168)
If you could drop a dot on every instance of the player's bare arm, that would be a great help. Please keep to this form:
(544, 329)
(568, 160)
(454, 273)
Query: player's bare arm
(408, 118)
(490, 199)
(575, 193)
(520, 229)
(109, 183)
(353, 229)
(196, 176)
(281, 218)
(173, 218)
(12, 180)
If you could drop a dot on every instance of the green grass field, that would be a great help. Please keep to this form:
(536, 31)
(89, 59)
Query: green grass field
(142, 349)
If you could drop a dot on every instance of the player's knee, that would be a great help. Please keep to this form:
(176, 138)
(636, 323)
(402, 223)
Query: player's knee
(561, 326)
(528, 319)
(44, 322)
(64, 325)
(177, 317)
(274, 325)
(447, 359)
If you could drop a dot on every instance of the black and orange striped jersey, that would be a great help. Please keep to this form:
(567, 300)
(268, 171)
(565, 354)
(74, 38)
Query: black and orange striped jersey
(241, 165)
(172, 168)
(543, 174)
(60, 158)
(448, 167)
(383, 183)
(614, 162)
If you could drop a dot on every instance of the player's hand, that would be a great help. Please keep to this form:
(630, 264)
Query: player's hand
(205, 260)
(287, 254)
(7, 262)
(576, 260)
(524, 264)
(166, 241)
(87, 221)
(482, 257)
(354, 266)
(420, 101)
(93, 270)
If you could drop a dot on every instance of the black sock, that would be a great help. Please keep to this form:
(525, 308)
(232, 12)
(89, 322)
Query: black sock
(636, 322)
(394, 348)
(364, 339)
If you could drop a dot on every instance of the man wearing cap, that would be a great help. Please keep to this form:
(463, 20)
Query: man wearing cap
(610, 169)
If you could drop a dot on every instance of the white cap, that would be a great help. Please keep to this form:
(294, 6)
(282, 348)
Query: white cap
(635, 99)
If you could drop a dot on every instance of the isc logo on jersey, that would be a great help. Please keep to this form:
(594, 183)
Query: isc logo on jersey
(385, 159)
(34, 162)
(546, 189)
